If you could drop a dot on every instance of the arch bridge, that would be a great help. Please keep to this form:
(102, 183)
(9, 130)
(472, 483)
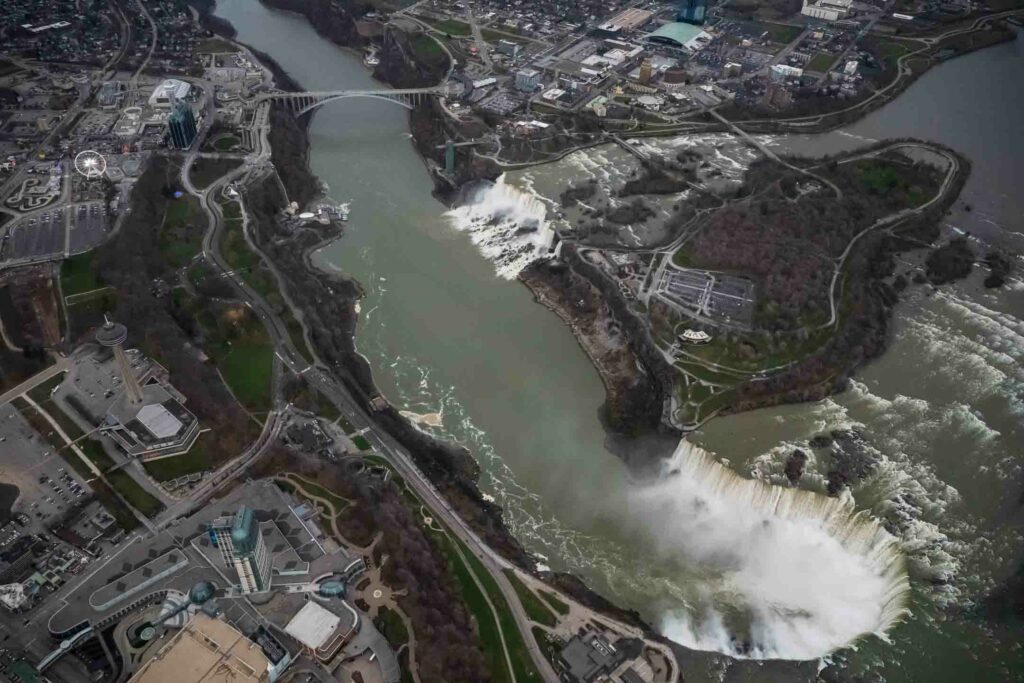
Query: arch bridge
(302, 102)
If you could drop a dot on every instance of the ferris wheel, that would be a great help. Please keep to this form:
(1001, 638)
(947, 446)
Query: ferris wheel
(90, 163)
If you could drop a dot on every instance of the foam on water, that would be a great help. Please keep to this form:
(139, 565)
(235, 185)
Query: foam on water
(507, 224)
(788, 574)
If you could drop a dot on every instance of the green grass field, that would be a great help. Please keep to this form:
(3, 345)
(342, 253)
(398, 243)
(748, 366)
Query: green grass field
(821, 62)
(536, 608)
(781, 33)
(247, 366)
(77, 276)
(226, 143)
(181, 235)
(198, 459)
(522, 663)
(555, 602)
(452, 27)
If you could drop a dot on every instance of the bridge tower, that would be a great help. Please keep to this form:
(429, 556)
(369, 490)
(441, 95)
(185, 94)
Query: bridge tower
(449, 156)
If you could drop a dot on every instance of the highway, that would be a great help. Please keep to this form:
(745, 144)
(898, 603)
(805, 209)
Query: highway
(320, 379)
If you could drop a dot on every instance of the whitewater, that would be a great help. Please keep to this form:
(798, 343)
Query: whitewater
(508, 225)
(787, 573)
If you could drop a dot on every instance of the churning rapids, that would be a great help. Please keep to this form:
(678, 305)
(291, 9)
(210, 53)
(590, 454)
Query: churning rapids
(507, 225)
(784, 573)
(789, 574)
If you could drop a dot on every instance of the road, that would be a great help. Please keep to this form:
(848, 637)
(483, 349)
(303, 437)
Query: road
(318, 377)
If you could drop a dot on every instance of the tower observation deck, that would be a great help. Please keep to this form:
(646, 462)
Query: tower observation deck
(114, 335)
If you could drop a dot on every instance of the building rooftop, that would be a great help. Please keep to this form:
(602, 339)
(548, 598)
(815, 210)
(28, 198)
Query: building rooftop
(206, 650)
(675, 33)
(313, 625)
(171, 89)
(159, 421)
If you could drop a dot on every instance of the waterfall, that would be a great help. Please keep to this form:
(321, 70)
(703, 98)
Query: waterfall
(508, 225)
(771, 572)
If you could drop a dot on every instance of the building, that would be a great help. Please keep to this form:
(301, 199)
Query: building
(169, 92)
(828, 10)
(584, 659)
(321, 631)
(692, 11)
(146, 419)
(509, 48)
(242, 546)
(780, 72)
(527, 80)
(206, 650)
(181, 125)
(629, 20)
(645, 71)
(676, 34)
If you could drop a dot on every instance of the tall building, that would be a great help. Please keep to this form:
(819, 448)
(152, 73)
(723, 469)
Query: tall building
(242, 547)
(692, 11)
(113, 335)
(527, 80)
(181, 124)
(645, 71)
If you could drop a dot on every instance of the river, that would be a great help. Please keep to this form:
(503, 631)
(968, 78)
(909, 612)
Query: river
(448, 337)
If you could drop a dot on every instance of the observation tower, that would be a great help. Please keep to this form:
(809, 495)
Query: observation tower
(114, 335)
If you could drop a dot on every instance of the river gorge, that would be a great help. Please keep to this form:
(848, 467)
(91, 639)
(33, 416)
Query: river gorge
(455, 342)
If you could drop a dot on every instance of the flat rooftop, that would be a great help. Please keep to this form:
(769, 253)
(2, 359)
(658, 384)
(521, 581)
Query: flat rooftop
(206, 650)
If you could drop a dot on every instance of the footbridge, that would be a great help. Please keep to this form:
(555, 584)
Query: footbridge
(303, 102)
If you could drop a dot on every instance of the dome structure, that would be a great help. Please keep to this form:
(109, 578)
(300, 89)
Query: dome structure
(331, 589)
(201, 592)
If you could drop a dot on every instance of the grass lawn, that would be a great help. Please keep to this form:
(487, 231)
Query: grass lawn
(226, 143)
(198, 459)
(535, 608)
(214, 45)
(247, 366)
(555, 602)
(682, 259)
(181, 235)
(361, 443)
(490, 640)
(391, 626)
(41, 392)
(77, 276)
(522, 663)
(781, 33)
(452, 27)
(136, 496)
(821, 62)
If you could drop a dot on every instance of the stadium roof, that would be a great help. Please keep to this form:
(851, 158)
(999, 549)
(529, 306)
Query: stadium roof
(676, 33)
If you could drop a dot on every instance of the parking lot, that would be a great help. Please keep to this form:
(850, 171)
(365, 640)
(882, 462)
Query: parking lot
(48, 487)
(88, 226)
(41, 235)
(716, 297)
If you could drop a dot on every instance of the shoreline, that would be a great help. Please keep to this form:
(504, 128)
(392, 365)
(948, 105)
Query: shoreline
(567, 582)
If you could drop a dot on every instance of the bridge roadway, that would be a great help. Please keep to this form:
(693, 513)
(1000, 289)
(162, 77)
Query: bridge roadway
(306, 101)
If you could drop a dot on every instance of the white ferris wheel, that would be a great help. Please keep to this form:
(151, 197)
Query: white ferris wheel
(90, 163)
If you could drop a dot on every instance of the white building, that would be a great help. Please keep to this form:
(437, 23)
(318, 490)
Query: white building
(167, 92)
(527, 80)
(780, 72)
(828, 10)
